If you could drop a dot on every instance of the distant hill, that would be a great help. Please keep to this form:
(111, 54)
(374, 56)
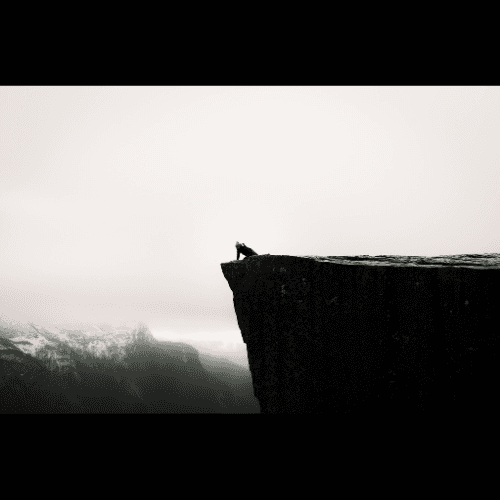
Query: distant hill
(104, 367)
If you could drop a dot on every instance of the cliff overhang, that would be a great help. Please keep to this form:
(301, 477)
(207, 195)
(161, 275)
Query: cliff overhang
(347, 334)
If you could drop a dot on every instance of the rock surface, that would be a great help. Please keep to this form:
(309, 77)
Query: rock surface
(378, 334)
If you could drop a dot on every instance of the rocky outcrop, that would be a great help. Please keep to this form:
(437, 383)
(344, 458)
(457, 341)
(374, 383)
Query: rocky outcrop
(20, 376)
(15, 362)
(385, 334)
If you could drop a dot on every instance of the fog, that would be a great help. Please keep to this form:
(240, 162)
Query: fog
(121, 202)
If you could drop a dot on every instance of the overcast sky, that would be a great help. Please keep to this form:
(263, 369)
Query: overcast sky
(123, 201)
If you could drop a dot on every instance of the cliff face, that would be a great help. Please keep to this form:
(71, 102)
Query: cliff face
(385, 334)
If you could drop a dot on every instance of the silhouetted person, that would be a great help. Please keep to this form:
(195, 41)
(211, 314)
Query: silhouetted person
(243, 249)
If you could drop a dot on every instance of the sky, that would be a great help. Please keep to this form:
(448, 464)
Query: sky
(122, 202)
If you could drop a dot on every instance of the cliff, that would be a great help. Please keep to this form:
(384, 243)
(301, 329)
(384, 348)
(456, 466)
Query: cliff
(383, 335)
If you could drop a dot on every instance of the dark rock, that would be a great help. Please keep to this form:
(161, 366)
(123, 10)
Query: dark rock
(358, 334)
(20, 380)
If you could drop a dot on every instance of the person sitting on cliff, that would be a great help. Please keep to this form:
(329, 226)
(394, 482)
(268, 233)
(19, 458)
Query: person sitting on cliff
(241, 248)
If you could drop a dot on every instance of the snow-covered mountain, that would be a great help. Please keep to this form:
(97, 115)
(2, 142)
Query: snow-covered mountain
(59, 344)
(52, 367)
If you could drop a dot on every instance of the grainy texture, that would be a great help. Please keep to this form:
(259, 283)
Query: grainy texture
(398, 334)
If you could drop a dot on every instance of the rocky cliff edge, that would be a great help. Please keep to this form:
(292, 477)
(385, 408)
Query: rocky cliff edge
(397, 334)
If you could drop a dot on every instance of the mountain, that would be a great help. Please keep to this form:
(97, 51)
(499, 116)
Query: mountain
(101, 367)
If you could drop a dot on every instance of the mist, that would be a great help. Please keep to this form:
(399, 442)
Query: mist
(121, 202)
